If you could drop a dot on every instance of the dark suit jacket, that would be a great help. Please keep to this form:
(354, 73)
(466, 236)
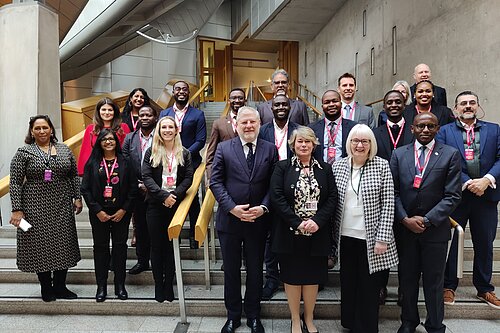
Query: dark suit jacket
(319, 129)
(194, 131)
(132, 152)
(298, 112)
(222, 130)
(439, 95)
(267, 133)
(152, 177)
(384, 143)
(443, 113)
(439, 193)
(233, 184)
(283, 182)
(92, 187)
(489, 146)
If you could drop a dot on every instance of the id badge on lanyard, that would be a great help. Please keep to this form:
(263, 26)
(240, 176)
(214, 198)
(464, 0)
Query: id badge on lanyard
(108, 191)
(417, 181)
(47, 175)
(331, 152)
(469, 154)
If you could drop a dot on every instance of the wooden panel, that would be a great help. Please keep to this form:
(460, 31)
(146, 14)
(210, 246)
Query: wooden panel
(219, 76)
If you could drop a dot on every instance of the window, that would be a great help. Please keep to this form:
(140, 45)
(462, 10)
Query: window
(305, 63)
(372, 61)
(364, 23)
(326, 68)
(394, 51)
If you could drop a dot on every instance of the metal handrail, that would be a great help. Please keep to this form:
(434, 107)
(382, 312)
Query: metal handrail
(260, 92)
(460, 238)
(205, 218)
(198, 92)
(375, 102)
(309, 105)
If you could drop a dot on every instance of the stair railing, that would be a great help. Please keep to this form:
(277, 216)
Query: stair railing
(309, 98)
(460, 238)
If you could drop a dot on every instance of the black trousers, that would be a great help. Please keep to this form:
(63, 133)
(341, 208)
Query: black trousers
(271, 261)
(427, 259)
(162, 250)
(194, 211)
(253, 247)
(101, 233)
(359, 289)
(143, 245)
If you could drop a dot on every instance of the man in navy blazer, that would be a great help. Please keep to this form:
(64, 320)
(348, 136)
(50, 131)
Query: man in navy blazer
(193, 130)
(427, 190)
(332, 130)
(279, 85)
(479, 145)
(134, 148)
(241, 172)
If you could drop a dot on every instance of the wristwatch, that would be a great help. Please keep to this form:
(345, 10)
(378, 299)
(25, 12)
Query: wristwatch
(265, 209)
(427, 223)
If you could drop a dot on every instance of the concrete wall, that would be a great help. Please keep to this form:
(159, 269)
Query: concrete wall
(256, 11)
(456, 38)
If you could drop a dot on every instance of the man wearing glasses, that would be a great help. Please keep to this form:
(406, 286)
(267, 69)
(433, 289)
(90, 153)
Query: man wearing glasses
(279, 86)
(427, 190)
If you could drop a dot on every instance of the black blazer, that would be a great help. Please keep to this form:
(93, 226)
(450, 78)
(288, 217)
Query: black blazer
(439, 95)
(152, 178)
(443, 113)
(319, 129)
(384, 143)
(440, 191)
(131, 150)
(282, 196)
(298, 112)
(92, 187)
(267, 133)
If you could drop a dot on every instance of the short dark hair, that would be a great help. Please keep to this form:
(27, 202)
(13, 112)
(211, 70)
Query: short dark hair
(153, 110)
(394, 91)
(237, 89)
(329, 90)
(30, 139)
(346, 75)
(423, 81)
(179, 81)
(466, 92)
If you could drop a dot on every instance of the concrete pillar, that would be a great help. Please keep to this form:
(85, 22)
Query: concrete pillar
(29, 77)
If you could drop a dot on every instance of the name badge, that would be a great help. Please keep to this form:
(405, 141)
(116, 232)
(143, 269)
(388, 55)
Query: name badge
(108, 191)
(47, 176)
(331, 152)
(311, 206)
(357, 211)
(469, 154)
(417, 181)
(170, 181)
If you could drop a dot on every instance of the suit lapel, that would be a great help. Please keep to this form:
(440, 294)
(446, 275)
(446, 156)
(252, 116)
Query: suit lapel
(386, 141)
(483, 133)
(410, 159)
(238, 150)
(435, 155)
(457, 135)
(229, 125)
(357, 112)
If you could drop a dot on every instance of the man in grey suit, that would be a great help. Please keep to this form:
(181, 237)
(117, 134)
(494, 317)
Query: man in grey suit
(427, 188)
(279, 85)
(351, 109)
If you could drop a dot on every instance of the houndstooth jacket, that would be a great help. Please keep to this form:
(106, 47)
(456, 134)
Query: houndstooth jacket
(377, 192)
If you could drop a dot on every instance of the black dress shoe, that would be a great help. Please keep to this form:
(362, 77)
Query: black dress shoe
(382, 296)
(64, 293)
(406, 329)
(230, 326)
(269, 290)
(101, 294)
(193, 244)
(121, 292)
(138, 268)
(159, 293)
(255, 325)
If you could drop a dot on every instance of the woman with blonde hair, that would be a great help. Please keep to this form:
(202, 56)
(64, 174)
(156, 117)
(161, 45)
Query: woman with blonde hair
(167, 173)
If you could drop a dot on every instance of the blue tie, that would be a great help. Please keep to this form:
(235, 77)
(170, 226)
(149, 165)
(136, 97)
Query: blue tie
(250, 156)
(421, 159)
(348, 111)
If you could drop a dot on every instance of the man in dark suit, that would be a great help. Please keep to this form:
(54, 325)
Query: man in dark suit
(393, 134)
(279, 85)
(427, 190)
(193, 130)
(134, 148)
(241, 173)
(224, 128)
(351, 109)
(277, 132)
(479, 145)
(423, 72)
(332, 131)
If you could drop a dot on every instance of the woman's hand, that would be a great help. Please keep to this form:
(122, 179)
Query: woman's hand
(103, 217)
(309, 226)
(380, 248)
(15, 218)
(170, 201)
(77, 206)
(117, 217)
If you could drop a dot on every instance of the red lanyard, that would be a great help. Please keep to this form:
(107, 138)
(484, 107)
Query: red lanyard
(470, 135)
(134, 124)
(109, 173)
(353, 108)
(330, 137)
(418, 111)
(278, 145)
(395, 143)
(179, 119)
(144, 142)
(171, 165)
(421, 168)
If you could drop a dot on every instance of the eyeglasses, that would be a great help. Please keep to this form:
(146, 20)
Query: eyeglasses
(280, 82)
(108, 140)
(421, 127)
(364, 142)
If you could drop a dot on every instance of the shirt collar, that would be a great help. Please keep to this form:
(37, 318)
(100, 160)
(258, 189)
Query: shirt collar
(176, 109)
(146, 137)
(336, 121)
(296, 162)
(465, 126)
(277, 128)
(399, 123)
(350, 104)
(243, 143)
(430, 145)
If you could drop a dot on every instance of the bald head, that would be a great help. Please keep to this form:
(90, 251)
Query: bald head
(422, 72)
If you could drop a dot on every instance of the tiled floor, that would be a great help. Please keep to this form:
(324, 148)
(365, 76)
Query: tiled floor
(105, 324)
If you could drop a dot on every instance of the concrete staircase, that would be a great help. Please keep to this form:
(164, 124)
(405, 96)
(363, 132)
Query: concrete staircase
(213, 111)
(20, 292)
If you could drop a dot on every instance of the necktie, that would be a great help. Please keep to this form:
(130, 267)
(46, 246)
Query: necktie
(331, 159)
(421, 159)
(250, 156)
(348, 111)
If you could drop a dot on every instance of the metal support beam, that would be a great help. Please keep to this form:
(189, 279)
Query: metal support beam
(212, 238)
(206, 258)
(178, 277)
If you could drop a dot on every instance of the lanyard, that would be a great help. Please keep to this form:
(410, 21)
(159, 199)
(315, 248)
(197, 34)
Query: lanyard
(360, 176)
(109, 173)
(419, 111)
(470, 136)
(278, 145)
(233, 123)
(144, 142)
(395, 143)
(179, 119)
(330, 137)
(353, 108)
(171, 164)
(420, 167)
(45, 160)
(134, 124)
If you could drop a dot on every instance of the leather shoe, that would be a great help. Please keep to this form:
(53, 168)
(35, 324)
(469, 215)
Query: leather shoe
(121, 292)
(230, 326)
(101, 294)
(255, 325)
(138, 268)
(406, 329)
(269, 290)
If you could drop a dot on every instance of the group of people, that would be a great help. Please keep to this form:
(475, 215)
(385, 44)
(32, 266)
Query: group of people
(295, 195)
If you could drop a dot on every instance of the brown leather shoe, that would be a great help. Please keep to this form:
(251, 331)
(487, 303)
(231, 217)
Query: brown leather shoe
(449, 296)
(490, 298)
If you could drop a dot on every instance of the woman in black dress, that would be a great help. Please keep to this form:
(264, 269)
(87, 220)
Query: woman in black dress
(137, 98)
(167, 173)
(109, 189)
(303, 196)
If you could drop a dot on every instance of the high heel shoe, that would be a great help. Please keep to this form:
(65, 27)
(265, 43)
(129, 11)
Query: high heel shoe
(304, 326)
